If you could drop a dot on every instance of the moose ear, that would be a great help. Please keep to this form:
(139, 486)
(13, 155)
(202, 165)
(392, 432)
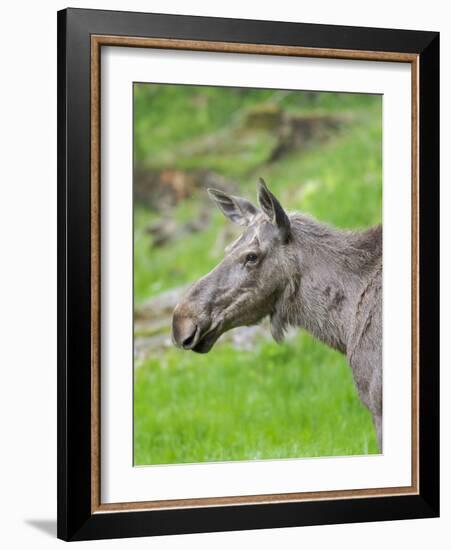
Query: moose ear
(273, 210)
(238, 210)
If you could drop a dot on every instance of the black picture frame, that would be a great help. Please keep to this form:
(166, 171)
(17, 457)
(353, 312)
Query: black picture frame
(76, 519)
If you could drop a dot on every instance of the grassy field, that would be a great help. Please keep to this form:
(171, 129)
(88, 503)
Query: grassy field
(276, 401)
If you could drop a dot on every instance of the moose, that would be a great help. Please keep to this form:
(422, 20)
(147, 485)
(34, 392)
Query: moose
(300, 273)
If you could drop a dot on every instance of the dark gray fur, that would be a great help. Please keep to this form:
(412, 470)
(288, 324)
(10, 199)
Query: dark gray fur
(305, 274)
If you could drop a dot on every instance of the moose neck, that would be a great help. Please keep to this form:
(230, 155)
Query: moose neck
(329, 269)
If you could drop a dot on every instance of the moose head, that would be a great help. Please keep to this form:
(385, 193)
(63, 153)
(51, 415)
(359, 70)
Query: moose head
(245, 286)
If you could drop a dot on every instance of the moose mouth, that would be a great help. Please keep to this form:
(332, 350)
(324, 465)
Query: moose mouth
(207, 341)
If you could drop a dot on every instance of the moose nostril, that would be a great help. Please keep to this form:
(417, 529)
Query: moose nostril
(189, 340)
(185, 331)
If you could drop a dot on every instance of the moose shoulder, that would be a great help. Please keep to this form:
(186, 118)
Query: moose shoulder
(299, 272)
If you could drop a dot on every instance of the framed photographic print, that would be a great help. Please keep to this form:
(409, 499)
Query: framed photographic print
(241, 344)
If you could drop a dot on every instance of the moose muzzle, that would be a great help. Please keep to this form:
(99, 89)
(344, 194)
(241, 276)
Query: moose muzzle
(185, 331)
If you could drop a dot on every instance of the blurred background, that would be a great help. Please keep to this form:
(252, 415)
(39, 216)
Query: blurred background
(249, 398)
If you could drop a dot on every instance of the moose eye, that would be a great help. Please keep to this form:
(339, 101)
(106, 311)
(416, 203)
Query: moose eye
(251, 258)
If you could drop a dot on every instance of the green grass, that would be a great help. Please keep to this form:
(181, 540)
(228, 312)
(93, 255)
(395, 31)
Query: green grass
(278, 401)
(167, 116)
(159, 269)
(294, 400)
